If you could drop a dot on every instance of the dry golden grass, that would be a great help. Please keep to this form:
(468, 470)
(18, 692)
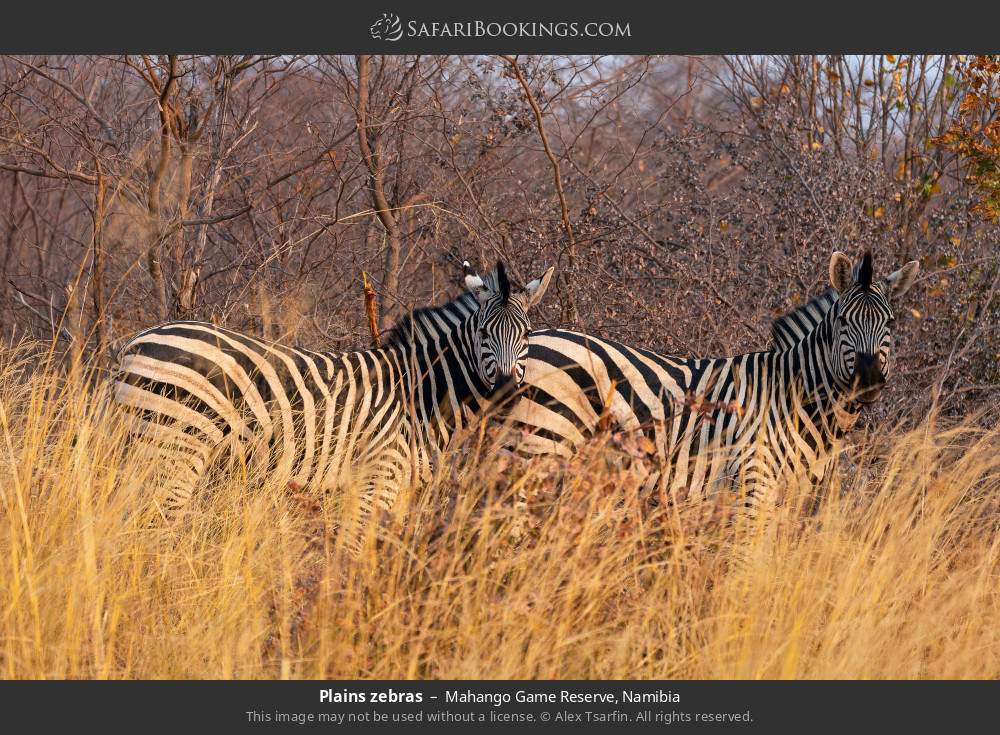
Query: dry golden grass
(895, 575)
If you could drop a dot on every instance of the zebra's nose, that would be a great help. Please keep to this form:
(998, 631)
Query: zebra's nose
(503, 384)
(868, 378)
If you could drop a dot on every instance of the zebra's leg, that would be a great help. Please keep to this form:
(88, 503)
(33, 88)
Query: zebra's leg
(756, 487)
(181, 460)
(373, 501)
(353, 507)
(355, 517)
(756, 480)
(185, 474)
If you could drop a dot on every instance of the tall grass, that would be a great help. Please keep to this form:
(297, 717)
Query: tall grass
(499, 569)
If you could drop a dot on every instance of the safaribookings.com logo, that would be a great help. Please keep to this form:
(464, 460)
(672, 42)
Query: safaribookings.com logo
(387, 28)
(390, 28)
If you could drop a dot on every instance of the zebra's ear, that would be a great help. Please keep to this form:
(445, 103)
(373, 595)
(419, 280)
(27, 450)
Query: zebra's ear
(899, 282)
(536, 289)
(841, 276)
(475, 284)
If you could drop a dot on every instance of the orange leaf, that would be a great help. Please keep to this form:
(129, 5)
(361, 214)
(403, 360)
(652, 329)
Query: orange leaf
(646, 445)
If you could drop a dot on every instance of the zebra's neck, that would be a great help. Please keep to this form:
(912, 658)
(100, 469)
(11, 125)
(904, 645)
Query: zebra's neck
(438, 374)
(816, 385)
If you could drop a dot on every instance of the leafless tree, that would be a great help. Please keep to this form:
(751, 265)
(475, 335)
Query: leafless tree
(685, 200)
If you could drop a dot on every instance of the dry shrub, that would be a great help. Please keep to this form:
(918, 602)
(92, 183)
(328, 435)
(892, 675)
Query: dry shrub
(501, 568)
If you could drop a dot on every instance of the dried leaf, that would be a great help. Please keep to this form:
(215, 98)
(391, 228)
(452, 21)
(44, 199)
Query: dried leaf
(646, 445)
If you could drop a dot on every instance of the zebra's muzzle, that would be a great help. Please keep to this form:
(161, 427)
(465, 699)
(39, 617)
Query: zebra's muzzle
(868, 379)
(503, 386)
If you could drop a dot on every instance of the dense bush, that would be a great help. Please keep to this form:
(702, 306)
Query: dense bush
(696, 197)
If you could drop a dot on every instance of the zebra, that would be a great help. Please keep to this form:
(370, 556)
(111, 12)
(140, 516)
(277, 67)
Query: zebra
(369, 419)
(753, 417)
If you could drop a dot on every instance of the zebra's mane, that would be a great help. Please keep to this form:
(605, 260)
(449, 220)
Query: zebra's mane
(401, 333)
(788, 330)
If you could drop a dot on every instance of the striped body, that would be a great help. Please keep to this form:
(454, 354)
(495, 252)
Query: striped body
(710, 419)
(366, 423)
(354, 419)
(759, 419)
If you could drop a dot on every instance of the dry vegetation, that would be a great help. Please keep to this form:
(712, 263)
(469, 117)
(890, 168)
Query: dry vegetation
(684, 201)
(895, 574)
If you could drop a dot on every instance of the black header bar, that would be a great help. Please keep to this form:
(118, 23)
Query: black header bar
(443, 26)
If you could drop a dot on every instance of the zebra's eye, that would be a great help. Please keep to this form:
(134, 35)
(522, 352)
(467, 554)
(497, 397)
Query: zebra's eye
(482, 333)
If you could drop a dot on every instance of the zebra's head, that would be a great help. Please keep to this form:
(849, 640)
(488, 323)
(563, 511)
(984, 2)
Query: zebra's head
(862, 320)
(500, 326)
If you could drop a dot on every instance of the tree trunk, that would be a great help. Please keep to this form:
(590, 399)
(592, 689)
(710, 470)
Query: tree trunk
(97, 266)
(376, 188)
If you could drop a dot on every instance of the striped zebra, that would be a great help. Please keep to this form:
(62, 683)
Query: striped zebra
(751, 418)
(368, 420)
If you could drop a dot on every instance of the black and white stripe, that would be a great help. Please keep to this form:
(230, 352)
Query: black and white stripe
(754, 417)
(367, 420)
